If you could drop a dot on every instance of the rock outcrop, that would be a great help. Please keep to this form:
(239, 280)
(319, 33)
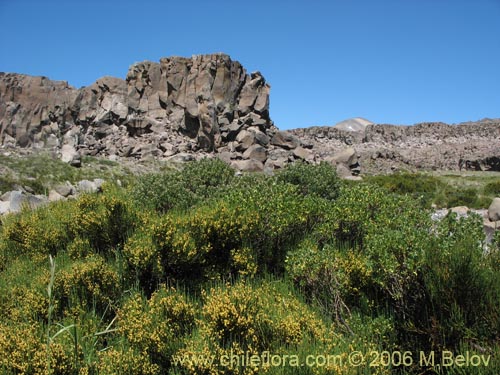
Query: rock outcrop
(426, 146)
(185, 108)
(198, 104)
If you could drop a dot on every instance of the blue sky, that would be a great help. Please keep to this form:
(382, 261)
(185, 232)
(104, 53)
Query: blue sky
(390, 61)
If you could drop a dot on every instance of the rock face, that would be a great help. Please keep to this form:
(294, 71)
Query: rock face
(184, 108)
(426, 146)
(177, 105)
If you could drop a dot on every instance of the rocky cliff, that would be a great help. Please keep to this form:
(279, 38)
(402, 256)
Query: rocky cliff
(428, 146)
(161, 109)
(184, 108)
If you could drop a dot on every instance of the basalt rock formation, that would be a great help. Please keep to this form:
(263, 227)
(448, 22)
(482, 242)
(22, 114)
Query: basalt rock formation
(185, 108)
(178, 105)
(425, 146)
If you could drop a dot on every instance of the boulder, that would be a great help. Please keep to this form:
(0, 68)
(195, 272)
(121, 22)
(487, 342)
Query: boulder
(86, 186)
(54, 196)
(461, 211)
(302, 153)
(70, 155)
(247, 165)
(256, 152)
(4, 207)
(347, 157)
(285, 140)
(494, 210)
(18, 201)
(64, 190)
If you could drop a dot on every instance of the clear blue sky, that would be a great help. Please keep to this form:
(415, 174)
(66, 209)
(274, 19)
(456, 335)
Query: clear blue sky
(390, 61)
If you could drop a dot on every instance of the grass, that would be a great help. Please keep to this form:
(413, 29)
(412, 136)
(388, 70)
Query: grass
(444, 189)
(41, 172)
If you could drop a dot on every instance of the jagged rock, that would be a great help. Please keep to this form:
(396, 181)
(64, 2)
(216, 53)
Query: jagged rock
(256, 152)
(206, 98)
(285, 140)
(245, 139)
(302, 153)
(182, 157)
(494, 210)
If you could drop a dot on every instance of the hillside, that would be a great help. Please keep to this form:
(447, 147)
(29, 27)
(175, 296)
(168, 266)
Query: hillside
(136, 237)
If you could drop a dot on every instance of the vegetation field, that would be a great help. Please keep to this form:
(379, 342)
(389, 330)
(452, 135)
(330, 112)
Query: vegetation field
(199, 271)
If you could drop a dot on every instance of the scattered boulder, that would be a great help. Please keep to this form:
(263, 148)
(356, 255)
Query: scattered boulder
(86, 186)
(18, 200)
(65, 190)
(494, 210)
(4, 207)
(70, 155)
(304, 154)
(54, 196)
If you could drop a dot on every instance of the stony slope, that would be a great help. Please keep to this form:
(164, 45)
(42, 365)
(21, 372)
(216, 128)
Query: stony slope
(425, 146)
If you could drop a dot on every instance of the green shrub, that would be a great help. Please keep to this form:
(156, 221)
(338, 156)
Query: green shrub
(334, 278)
(104, 220)
(321, 179)
(101, 220)
(463, 197)
(459, 290)
(141, 256)
(37, 232)
(182, 189)
(247, 227)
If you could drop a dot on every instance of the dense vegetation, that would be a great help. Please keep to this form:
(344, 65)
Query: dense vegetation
(180, 271)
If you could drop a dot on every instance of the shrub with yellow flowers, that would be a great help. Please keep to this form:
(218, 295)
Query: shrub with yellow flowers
(155, 326)
(126, 361)
(89, 283)
(22, 352)
(105, 220)
(37, 232)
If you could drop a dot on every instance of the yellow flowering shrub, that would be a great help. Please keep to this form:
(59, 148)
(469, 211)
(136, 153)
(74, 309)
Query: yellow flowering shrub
(125, 361)
(23, 352)
(142, 260)
(105, 220)
(156, 326)
(24, 304)
(333, 277)
(259, 317)
(88, 283)
(42, 231)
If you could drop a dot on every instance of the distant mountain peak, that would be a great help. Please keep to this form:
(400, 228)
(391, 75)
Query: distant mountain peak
(355, 124)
